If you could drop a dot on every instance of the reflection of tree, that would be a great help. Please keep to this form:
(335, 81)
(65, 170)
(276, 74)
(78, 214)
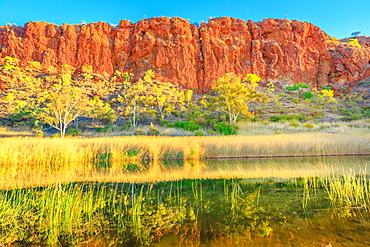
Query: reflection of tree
(235, 213)
(203, 209)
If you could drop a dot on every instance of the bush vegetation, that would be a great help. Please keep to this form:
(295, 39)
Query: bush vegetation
(76, 102)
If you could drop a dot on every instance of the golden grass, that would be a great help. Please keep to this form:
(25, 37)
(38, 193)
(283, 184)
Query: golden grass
(16, 131)
(289, 127)
(51, 151)
(21, 176)
(28, 161)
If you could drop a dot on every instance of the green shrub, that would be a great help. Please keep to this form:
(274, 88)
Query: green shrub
(225, 128)
(352, 116)
(132, 167)
(139, 132)
(288, 117)
(274, 118)
(211, 122)
(153, 131)
(132, 153)
(177, 113)
(74, 132)
(309, 125)
(105, 129)
(194, 114)
(294, 123)
(178, 124)
(292, 88)
(126, 126)
(190, 125)
(163, 122)
(22, 117)
(302, 85)
(199, 133)
(307, 95)
(211, 132)
(296, 87)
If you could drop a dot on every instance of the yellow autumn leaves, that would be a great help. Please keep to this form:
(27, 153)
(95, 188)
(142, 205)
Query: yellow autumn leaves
(151, 97)
(232, 94)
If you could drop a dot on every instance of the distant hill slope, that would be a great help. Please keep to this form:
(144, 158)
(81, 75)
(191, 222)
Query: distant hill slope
(192, 56)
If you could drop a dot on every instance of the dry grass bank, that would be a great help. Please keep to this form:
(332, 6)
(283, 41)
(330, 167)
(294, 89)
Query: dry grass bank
(50, 151)
(28, 161)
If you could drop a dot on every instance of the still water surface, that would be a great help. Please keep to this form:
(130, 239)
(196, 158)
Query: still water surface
(261, 202)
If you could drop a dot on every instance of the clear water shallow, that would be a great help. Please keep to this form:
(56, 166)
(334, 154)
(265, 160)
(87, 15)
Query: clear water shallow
(259, 202)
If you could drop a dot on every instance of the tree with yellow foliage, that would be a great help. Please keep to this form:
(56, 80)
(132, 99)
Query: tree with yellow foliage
(130, 102)
(162, 98)
(63, 104)
(54, 98)
(150, 96)
(18, 79)
(354, 42)
(232, 94)
(67, 99)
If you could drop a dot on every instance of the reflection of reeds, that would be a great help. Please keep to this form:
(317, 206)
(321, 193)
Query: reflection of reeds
(345, 191)
(193, 151)
(56, 211)
(194, 167)
(42, 151)
(25, 175)
(349, 190)
(137, 214)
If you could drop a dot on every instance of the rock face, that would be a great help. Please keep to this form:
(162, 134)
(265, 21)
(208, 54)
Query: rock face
(192, 56)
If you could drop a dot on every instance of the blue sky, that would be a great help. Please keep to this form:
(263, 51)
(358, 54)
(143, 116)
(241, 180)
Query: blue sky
(337, 18)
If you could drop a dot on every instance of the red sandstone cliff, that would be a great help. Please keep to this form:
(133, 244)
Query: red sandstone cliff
(192, 56)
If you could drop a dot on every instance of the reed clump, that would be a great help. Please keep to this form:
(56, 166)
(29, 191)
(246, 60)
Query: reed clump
(45, 151)
(42, 161)
(346, 193)
(135, 214)
(21, 176)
